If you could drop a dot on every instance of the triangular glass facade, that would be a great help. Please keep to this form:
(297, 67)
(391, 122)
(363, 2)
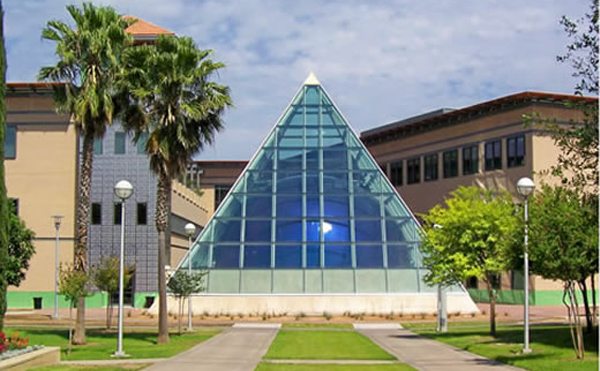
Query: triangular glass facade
(311, 213)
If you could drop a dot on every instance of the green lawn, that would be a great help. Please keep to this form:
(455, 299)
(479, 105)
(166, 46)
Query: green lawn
(330, 367)
(101, 344)
(323, 344)
(319, 325)
(552, 349)
(92, 368)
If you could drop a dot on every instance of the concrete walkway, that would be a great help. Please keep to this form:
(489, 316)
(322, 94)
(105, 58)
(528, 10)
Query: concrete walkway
(429, 355)
(235, 349)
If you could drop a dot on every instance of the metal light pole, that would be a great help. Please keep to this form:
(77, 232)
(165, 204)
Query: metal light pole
(190, 230)
(442, 305)
(57, 220)
(123, 190)
(525, 187)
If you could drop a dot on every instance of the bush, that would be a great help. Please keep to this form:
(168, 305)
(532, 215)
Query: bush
(13, 342)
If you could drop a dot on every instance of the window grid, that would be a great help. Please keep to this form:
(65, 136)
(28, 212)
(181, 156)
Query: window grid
(493, 155)
(431, 167)
(470, 160)
(515, 151)
(396, 173)
(450, 163)
(413, 168)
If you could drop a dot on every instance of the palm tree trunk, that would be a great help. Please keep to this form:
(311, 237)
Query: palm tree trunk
(3, 201)
(81, 238)
(163, 194)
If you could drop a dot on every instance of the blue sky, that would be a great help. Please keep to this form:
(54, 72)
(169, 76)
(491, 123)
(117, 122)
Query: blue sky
(381, 61)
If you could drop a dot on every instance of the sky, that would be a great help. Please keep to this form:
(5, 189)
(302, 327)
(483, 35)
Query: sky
(380, 61)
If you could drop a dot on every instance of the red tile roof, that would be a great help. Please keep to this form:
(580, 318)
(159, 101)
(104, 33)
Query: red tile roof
(144, 29)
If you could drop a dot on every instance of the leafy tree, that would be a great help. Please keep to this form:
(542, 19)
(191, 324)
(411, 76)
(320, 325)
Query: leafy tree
(89, 63)
(183, 284)
(73, 284)
(564, 244)
(106, 278)
(3, 201)
(20, 249)
(469, 237)
(179, 110)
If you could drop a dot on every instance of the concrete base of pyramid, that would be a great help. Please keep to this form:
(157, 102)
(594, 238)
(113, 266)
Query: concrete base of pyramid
(334, 304)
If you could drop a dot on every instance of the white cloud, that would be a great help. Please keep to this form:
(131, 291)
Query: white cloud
(380, 60)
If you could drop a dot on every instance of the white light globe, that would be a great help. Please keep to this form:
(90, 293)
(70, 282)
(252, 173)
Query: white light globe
(123, 189)
(525, 186)
(190, 229)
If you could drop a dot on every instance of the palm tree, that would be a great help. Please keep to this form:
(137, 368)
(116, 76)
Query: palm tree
(3, 201)
(179, 110)
(88, 63)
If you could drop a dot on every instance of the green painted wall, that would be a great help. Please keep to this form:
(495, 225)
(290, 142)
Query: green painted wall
(24, 299)
(544, 297)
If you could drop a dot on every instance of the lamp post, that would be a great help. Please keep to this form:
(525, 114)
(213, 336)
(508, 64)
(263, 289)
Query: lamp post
(57, 220)
(442, 306)
(525, 187)
(190, 230)
(123, 190)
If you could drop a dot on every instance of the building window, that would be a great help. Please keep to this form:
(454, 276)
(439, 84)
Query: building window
(493, 155)
(517, 280)
(10, 142)
(413, 167)
(96, 213)
(470, 160)
(451, 163)
(117, 213)
(515, 150)
(119, 143)
(220, 193)
(15, 205)
(97, 146)
(431, 167)
(141, 143)
(396, 175)
(142, 213)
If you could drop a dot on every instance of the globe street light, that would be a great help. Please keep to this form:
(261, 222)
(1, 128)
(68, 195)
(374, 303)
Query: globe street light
(190, 230)
(123, 190)
(57, 219)
(525, 187)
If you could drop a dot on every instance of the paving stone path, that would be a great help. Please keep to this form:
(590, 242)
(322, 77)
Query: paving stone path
(429, 355)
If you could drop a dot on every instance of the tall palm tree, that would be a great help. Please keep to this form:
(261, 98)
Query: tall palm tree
(179, 109)
(88, 63)
(3, 200)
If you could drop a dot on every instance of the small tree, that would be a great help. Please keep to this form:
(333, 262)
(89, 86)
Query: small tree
(473, 231)
(20, 249)
(106, 278)
(182, 285)
(73, 284)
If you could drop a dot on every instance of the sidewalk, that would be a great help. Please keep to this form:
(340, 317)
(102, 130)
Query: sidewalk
(235, 349)
(429, 355)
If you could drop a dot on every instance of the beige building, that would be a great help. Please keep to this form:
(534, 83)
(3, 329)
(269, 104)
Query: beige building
(487, 144)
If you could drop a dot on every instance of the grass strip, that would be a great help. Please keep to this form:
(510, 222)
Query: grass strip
(325, 345)
(330, 367)
(551, 345)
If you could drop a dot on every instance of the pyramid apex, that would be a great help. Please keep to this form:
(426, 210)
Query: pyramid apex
(311, 79)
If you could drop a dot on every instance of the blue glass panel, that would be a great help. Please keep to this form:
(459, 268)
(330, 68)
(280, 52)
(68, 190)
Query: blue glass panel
(312, 206)
(312, 115)
(258, 206)
(327, 115)
(264, 160)
(401, 230)
(270, 142)
(232, 207)
(289, 206)
(259, 182)
(336, 230)
(336, 206)
(289, 182)
(289, 159)
(366, 206)
(334, 160)
(335, 182)
(312, 182)
(199, 256)
(257, 256)
(366, 182)
(226, 256)
(312, 159)
(338, 256)
(333, 131)
(368, 230)
(311, 144)
(313, 230)
(227, 230)
(289, 230)
(291, 142)
(400, 256)
(290, 131)
(312, 131)
(312, 95)
(333, 141)
(393, 207)
(313, 256)
(288, 256)
(258, 230)
(369, 256)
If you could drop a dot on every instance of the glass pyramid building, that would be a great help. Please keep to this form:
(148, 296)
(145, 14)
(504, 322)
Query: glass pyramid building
(312, 213)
